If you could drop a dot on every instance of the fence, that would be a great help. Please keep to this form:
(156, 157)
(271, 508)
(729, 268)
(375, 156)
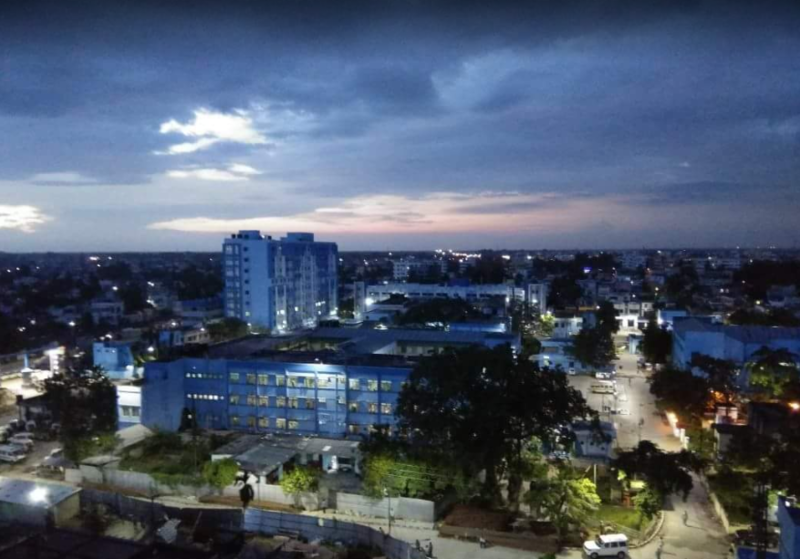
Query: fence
(401, 507)
(316, 528)
(275, 494)
(269, 523)
(137, 481)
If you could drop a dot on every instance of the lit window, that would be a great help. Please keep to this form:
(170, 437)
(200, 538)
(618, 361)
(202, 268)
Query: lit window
(234, 377)
(235, 399)
(372, 407)
(280, 380)
(310, 382)
(263, 401)
(280, 401)
(251, 378)
(294, 425)
(353, 407)
(263, 380)
(353, 429)
(251, 421)
(293, 382)
(280, 423)
(251, 399)
(386, 385)
(263, 422)
(322, 403)
(372, 385)
(309, 404)
(354, 384)
(234, 420)
(386, 409)
(294, 403)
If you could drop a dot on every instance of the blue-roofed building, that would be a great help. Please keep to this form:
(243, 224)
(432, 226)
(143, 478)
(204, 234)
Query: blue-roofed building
(116, 359)
(735, 343)
(789, 520)
(334, 382)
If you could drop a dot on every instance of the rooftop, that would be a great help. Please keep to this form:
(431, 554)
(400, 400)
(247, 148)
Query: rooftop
(40, 494)
(744, 334)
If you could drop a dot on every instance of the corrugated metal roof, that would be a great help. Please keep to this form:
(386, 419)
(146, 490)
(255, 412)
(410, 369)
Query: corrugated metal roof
(34, 493)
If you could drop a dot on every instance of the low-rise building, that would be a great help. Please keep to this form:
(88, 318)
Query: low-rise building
(37, 503)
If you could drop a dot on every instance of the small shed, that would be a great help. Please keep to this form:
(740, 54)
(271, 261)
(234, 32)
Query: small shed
(37, 503)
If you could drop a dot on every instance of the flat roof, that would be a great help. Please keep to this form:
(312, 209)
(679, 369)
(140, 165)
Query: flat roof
(39, 494)
(745, 334)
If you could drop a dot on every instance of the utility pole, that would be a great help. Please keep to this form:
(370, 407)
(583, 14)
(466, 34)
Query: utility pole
(388, 509)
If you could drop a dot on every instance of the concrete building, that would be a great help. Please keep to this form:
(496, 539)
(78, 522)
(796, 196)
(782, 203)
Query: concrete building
(377, 293)
(401, 269)
(37, 503)
(566, 325)
(692, 336)
(280, 285)
(116, 359)
(344, 382)
(199, 311)
(129, 404)
(537, 296)
(107, 311)
(789, 520)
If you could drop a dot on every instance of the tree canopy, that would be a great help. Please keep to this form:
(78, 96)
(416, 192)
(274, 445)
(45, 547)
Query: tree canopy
(664, 472)
(484, 405)
(773, 370)
(593, 347)
(657, 343)
(682, 392)
(438, 313)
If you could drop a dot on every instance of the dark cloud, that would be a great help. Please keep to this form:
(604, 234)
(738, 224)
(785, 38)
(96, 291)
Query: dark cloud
(407, 97)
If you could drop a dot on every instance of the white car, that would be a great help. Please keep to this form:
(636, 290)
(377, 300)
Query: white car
(607, 545)
(22, 439)
(11, 453)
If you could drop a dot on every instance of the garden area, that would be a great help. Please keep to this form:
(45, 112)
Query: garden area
(735, 490)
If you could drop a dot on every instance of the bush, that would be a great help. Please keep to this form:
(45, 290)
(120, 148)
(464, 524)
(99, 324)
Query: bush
(220, 473)
(299, 480)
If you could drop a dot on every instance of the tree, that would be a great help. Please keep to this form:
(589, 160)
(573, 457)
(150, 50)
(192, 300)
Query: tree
(773, 370)
(665, 473)
(681, 392)
(227, 329)
(547, 324)
(438, 313)
(564, 498)
(657, 343)
(606, 318)
(220, 473)
(84, 402)
(593, 347)
(648, 502)
(774, 317)
(483, 405)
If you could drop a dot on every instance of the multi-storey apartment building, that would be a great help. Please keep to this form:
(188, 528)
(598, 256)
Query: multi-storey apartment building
(280, 285)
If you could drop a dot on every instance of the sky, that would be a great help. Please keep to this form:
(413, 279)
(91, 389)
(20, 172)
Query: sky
(385, 124)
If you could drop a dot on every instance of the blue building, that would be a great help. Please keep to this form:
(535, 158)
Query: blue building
(286, 392)
(280, 285)
(116, 359)
(789, 520)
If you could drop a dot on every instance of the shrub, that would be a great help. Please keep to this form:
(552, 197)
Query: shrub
(299, 480)
(220, 473)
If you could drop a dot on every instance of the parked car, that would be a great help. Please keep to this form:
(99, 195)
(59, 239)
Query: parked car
(571, 371)
(607, 545)
(12, 453)
(24, 440)
(559, 455)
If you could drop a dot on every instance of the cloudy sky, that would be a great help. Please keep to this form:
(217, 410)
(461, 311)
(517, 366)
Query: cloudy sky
(383, 124)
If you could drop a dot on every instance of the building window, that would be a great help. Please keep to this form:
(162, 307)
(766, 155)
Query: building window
(353, 429)
(372, 407)
(280, 402)
(322, 403)
(263, 380)
(234, 420)
(372, 385)
(263, 401)
(251, 378)
(386, 409)
(263, 422)
(280, 380)
(309, 404)
(386, 385)
(353, 407)
(340, 400)
(251, 421)
(293, 403)
(234, 378)
(293, 382)
(324, 382)
(280, 423)
(251, 399)
(294, 425)
(310, 382)
(354, 384)
(235, 399)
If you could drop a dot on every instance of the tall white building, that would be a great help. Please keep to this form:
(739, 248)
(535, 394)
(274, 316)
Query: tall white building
(281, 285)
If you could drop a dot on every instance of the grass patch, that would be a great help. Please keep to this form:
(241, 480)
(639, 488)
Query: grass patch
(168, 459)
(628, 517)
(735, 492)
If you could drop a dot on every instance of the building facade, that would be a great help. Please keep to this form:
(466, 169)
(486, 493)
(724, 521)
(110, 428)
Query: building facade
(269, 396)
(280, 285)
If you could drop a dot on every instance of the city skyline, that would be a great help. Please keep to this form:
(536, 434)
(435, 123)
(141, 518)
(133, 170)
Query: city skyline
(398, 125)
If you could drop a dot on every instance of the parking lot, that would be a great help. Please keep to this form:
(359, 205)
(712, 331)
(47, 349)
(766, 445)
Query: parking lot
(632, 409)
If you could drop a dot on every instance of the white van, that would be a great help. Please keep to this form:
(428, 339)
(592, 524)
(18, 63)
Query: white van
(11, 453)
(608, 545)
(22, 439)
(604, 387)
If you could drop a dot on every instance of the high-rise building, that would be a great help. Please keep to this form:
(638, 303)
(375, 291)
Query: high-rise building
(280, 285)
